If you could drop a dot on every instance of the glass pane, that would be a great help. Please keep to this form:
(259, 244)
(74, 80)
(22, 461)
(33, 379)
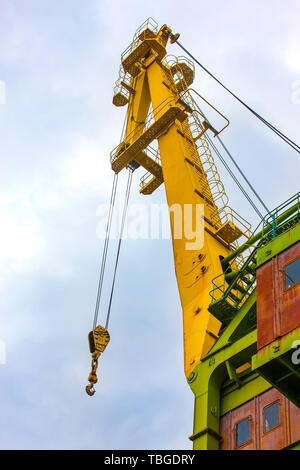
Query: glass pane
(292, 273)
(242, 432)
(271, 416)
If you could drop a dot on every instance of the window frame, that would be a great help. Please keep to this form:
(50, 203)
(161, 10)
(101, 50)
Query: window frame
(264, 416)
(284, 275)
(235, 433)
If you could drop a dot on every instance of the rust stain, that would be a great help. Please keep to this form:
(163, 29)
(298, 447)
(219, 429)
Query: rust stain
(277, 307)
(285, 433)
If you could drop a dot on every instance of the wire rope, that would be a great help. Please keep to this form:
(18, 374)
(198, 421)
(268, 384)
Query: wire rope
(280, 134)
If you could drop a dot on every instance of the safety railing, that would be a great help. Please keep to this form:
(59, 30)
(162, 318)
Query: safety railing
(217, 190)
(241, 286)
(145, 179)
(246, 275)
(155, 156)
(230, 215)
(120, 89)
(222, 212)
(148, 29)
(182, 71)
(235, 289)
(271, 228)
(153, 116)
(172, 60)
(153, 153)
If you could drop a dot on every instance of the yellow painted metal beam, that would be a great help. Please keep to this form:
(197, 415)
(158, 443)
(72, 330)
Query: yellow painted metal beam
(186, 183)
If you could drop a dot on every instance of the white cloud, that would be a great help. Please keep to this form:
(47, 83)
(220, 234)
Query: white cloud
(20, 237)
(88, 170)
(293, 54)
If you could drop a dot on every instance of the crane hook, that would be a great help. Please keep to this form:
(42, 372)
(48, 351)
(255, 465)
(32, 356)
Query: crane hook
(90, 390)
(93, 376)
(98, 340)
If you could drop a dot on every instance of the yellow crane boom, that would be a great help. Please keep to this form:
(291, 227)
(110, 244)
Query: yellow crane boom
(161, 108)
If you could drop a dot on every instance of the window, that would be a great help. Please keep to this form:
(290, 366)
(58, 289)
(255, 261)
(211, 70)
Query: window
(242, 432)
(292, 273)
(271, 416)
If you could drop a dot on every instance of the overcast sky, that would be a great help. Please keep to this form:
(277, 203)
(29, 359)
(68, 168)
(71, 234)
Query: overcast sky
(59, 61)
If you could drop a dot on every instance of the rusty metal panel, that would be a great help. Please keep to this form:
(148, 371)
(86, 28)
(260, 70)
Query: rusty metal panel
(294, 422)
(244, 412)
(272, 438)
(277, 307)
(275, 436)
(225, 431)
(288, 299)
(265, 290)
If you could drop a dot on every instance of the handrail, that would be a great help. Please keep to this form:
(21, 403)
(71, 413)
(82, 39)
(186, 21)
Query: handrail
(130, 138)
(271, 223)
(207, 102)
(136, 38)
(274, 214)
(234, 284)
(266, 230)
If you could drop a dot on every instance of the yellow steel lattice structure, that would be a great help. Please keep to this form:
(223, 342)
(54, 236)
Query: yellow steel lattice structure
(162, 109)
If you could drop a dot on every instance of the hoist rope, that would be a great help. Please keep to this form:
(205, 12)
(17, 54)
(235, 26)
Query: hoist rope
(119, 244)
(99, 337)
(238, 168)
(242, 173)
(234, 178)
(230, 171)
(105, 248)
(108, 228)
(263, 120)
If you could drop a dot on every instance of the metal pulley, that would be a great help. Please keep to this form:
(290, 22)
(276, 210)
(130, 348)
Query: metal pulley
(98, 340)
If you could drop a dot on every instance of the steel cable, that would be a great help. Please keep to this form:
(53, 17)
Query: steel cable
(242, 173)
(234, 178)
(105, 248)
(230, 171)
(119, 244)
(263, 120)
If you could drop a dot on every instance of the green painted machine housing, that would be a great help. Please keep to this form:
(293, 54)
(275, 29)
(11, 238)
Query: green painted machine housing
(216, 382)
(277, 361)
(277, 245)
